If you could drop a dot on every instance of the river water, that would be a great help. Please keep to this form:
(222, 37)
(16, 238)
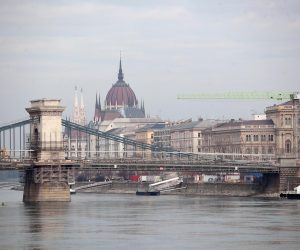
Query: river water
(112, 221)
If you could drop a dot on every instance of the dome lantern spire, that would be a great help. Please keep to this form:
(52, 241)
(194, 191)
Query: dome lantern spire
(120, 75)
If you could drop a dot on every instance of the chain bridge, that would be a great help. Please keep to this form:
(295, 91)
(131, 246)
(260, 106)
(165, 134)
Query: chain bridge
(46, 147)
(19, 151)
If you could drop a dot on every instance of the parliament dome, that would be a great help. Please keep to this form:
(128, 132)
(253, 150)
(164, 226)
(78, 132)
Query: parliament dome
(120, 94)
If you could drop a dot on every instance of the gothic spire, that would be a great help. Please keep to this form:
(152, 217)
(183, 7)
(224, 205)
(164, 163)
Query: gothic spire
(82, 118)
(81, 99)
(76, 109)
(75, 104)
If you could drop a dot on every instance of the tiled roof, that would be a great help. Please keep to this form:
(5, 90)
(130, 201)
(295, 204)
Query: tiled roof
(151, 127)
(245, 123)
(110, 115)
(132, 112)
(196, 124)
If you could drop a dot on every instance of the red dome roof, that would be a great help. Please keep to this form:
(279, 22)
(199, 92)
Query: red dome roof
(120, 93)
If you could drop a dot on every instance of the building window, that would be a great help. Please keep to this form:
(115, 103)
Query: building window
(288, 146)
(248, 137)
(248, 150)
(288, 121)
(270, 150)
(256, 150)
(255, 138)
(271, 138)
(199, 135)
(263, 150)
(263, 137)
(199, 150)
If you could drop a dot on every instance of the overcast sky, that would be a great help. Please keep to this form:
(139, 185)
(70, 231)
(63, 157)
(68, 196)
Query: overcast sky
(168, 48)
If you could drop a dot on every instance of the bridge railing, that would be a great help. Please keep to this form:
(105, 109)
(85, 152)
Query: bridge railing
(159, 156)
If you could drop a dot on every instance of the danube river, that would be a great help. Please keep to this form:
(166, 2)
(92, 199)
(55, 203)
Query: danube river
(110, 221)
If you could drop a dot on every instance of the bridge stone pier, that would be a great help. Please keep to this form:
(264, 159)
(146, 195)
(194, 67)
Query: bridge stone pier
(289, 174)
(49, 174)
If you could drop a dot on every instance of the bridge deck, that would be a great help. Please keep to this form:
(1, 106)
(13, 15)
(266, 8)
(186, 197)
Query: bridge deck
(152, 165)
(178, 167)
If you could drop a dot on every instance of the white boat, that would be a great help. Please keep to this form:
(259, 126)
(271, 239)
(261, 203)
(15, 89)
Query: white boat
(165, 185)
(72, 187)
(293, 195)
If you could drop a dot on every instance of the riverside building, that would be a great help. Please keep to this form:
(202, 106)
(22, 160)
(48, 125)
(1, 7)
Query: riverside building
(277, 135)
(240, 137)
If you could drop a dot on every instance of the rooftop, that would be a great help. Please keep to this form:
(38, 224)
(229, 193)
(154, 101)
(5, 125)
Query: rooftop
(244, 123)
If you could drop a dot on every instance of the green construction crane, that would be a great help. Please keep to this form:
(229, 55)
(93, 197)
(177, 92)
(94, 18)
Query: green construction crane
(253, 95)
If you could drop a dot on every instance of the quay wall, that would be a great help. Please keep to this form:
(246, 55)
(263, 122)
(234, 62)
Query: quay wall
(212, 189)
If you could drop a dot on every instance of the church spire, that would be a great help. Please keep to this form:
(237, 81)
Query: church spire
(76, 108)
(120, 75)
(82, 118)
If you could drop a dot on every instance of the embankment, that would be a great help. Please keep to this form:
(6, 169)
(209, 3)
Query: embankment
(211, 189)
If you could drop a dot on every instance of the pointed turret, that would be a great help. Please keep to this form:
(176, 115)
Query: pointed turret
(97, 115)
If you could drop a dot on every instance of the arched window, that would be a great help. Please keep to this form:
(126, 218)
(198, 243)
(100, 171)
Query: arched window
(288, 121)
(271, 137)
(288, 146)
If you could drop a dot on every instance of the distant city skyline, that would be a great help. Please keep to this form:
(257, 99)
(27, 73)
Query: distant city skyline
(168, 48)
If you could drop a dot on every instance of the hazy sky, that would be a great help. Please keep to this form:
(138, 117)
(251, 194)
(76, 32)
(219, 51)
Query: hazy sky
(168, 47)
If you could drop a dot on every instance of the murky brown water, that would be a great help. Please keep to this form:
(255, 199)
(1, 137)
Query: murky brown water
(104, 221)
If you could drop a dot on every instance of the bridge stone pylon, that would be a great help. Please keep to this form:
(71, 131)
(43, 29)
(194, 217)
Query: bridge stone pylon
(49, 174)
(46, 130)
